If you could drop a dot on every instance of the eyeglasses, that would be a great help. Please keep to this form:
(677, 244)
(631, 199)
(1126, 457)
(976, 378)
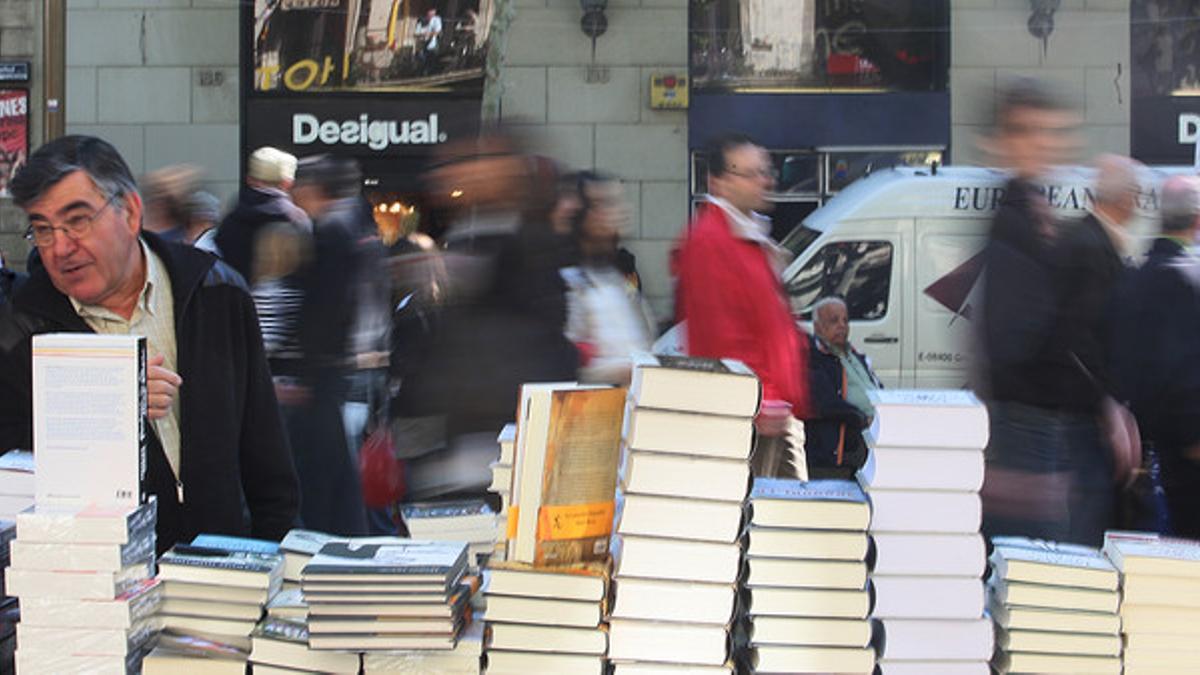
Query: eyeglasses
(755, 173)
(76, 227)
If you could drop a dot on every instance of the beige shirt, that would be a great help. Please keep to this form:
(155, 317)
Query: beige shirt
(153, 318)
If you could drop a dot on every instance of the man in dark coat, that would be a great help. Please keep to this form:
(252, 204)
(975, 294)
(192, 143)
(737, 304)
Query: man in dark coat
(1156, 364)
(9, 281)
(263, 200)
(840, 378)
(218, 459)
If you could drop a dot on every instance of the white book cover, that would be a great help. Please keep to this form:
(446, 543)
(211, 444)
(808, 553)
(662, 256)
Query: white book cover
(928, 418)
(922, 511)
(89, 418)
(906, 554)
(923, 469)
(937, 640)
(927, 598)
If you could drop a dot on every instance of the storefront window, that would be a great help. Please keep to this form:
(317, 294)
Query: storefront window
(1165, 82)
(845, 167)
(895, 45)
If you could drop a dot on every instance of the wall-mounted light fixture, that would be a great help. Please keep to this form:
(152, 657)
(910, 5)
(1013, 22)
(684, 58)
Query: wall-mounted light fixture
(594, 23)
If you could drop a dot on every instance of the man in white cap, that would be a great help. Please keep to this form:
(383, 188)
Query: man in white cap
(262, 201)
(1157, 350)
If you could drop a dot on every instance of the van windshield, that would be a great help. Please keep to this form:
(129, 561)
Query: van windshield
(799, 239)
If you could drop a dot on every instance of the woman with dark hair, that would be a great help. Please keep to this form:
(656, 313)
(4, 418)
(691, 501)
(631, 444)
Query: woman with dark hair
(607, 318)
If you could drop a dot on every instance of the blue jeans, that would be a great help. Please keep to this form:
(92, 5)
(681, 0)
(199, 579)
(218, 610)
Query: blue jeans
(1049, 476)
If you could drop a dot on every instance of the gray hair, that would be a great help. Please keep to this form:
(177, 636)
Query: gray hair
(825, 302)
(59, 158)
(1180, 203)
(1116, 176)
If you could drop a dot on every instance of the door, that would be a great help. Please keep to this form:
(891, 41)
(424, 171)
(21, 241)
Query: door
(946, 298)
(865, 270)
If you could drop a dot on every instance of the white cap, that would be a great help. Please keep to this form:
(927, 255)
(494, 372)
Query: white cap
(271, 165)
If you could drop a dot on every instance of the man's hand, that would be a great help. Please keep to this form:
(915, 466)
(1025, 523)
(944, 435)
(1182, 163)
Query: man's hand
(773, 418)
(163, 386)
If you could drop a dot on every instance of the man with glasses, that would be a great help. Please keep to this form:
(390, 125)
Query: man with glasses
(218, 451)
(730, 294)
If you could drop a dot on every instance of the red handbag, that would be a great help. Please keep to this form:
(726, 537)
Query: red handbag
(382, 475)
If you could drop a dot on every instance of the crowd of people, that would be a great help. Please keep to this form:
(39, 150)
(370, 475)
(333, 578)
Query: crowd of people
(292, 327)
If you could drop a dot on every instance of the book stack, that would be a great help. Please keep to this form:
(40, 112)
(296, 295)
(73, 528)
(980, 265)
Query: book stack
(1160, 601)
(502, 471)
(401, 595)
(1055, 608)
(17, 486)
(472, 521)
(217, 593)
(280, 647)
(545, 620)
(84, 578)
(923, 473)
(806, 581)
(684, 478)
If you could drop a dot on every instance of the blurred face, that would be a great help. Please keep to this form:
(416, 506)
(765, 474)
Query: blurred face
(609, 215)
(749, 176)
(1032, 140)
(104, 265)
(833, 325)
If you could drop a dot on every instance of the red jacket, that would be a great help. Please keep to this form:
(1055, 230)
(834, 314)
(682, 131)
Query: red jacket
(735, 307)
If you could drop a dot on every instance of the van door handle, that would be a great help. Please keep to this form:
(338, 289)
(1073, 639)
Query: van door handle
(881, 339)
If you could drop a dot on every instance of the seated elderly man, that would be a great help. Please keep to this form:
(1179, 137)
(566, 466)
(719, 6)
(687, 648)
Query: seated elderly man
(839, 379)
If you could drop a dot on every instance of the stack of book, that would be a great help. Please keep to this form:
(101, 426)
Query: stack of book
(1055, 608)
(472, 521)
(502, 471)
(401, 595)
(217, 593)
(923, 474)
(280, 647)
(806, 580)
(84, 578)
(464, 659)
(684, 478)
(545, 620)
(17, 486)
(8, 532)
(176, 654)
(1160, 601)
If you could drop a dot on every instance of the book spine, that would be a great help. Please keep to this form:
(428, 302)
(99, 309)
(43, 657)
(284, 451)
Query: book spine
(143, 413)
(312, 572)
(220, 564)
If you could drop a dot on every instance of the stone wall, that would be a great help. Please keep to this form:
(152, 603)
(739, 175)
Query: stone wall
(1086, 58)
(607, 124)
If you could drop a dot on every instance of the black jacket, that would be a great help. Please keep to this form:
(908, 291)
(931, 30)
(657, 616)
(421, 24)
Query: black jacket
(9, 281)
(235, 465)
(1156, 347)
(1089, 270)
(833, 437)
(327, 313)
(1020, 303)
(255, 209)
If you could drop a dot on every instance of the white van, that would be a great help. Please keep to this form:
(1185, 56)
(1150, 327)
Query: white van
(903, 247)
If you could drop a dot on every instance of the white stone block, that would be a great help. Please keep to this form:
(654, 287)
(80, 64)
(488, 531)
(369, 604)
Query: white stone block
(573, 99)
(1101, 139)
(965, 145)
(636, 36)
(1089, 38)
(1106, 95)
(104, 38)
(18, 42)
(1066, 83)
(16, 14)
(215, 103)
(81, 95)
(133, 95)
(664, 209)
(972, 95)
(524, 94)
(192, 37)
(642, 152)
(211, 146)
(128, 139)
(992, 38)
(571, 144)
(80, 4)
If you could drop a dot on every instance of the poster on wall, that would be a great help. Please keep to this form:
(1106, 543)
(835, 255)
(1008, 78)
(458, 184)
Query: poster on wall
(370, 45)
(1165, 82)
(14, 134)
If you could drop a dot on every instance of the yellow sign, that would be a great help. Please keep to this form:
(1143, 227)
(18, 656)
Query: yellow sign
(668, 91)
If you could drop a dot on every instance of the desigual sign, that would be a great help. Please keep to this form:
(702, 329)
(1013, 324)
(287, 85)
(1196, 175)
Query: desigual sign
(374, 133)
(1189, 128)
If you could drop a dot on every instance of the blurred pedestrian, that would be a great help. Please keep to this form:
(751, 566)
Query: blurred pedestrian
(607, 318)
(327, 189)
(9, 280)
(166, 193)
(502, 312)
(203, 215)
(1157, 350)
(264, 199)
(1034, 423)
(733, 301)
(1092, 255)
(840, 379)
